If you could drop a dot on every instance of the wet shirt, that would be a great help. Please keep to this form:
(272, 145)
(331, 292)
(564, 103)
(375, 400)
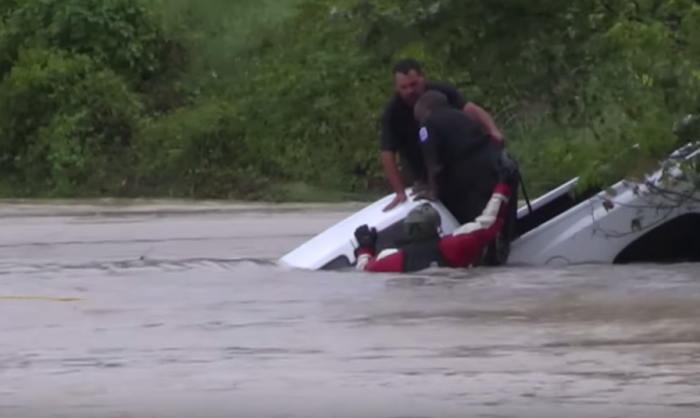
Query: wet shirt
(400, 128)
(462, 155)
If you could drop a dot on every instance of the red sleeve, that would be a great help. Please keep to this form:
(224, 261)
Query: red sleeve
(389, 264)
(461, 250)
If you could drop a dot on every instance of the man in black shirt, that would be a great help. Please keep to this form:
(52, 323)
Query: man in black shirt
(400, 128)
(463, 164)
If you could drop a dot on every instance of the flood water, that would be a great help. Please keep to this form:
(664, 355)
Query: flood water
(161, 312)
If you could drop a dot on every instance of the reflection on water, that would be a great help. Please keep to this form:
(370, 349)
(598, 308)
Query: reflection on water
(186, 315)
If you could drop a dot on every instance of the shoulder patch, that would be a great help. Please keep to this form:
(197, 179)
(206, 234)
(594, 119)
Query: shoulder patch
(423, 133)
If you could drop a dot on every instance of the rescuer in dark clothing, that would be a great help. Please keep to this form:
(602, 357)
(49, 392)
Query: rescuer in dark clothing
(400, 128)
(464, 165)
(426, 248)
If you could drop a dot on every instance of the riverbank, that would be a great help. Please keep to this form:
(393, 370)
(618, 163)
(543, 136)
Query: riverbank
(211, 100)
(118, 207)
(290, 197)
(156, 207)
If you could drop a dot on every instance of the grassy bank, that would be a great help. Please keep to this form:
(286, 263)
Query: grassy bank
(279, 100)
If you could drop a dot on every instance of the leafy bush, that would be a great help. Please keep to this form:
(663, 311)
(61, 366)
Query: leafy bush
(572, 84)
(124, 35)
(216, 99)
(65, 122)
(197, 152)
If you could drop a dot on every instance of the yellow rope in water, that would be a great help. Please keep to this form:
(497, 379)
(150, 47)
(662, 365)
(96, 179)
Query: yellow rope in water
(39, 298)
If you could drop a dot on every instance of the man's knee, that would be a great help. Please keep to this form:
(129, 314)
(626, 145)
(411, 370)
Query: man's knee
(465, 208)
(509, 226)
(457, 209)
(497, 252)
(508, 170)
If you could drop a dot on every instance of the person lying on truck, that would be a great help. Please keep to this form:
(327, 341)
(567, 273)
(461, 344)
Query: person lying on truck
(426, 248)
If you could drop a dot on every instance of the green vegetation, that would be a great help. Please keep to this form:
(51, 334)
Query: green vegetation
(275, 99)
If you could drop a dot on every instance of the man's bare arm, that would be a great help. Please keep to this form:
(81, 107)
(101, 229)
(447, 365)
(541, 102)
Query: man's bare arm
(484, 118)
(391, 171)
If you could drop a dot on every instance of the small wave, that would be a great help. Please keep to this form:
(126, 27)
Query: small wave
(7, 268)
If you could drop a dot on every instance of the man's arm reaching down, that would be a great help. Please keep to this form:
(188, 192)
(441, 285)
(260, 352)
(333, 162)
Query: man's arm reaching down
(389, 148)
(391, 171)
(484, 119)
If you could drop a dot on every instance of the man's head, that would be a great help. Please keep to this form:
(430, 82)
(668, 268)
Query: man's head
(409, 80)
(429, 101)
(422, 223)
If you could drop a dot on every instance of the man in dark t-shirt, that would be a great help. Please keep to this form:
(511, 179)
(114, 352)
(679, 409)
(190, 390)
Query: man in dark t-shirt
(464, 165)
(460, 158)
(400, 128)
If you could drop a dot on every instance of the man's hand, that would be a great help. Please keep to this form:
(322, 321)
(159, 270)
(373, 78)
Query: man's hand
(400, 198)
(366, 237)
(428, 193)
(418, 187)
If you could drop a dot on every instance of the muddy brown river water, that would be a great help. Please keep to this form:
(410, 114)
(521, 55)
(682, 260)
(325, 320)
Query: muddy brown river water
(179, 311)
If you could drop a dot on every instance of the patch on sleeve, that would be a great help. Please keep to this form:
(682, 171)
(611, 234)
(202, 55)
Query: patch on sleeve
(423, 133)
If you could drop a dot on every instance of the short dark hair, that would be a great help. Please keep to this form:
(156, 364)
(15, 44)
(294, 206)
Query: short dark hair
(432, 99)
(407, 65)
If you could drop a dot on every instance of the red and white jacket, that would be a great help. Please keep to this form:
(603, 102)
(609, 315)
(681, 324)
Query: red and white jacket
(460, 249)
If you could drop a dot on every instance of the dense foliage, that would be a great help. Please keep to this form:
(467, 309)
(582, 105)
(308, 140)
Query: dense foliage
(229, 99)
